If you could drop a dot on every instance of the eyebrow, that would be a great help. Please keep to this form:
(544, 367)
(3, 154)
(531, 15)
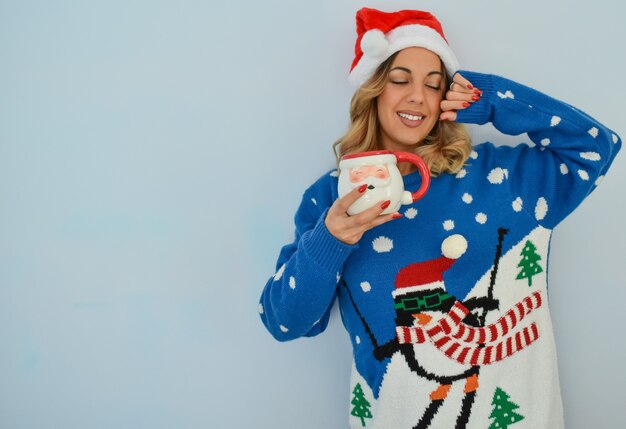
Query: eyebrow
(404, 69)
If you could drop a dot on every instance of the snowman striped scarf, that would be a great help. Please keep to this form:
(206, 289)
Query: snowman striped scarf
(466, 344)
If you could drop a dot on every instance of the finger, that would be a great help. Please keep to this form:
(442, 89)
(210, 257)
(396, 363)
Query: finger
(350, 198)
(470, 97)
(462, 84)
(453, 105)
(367, 217)
(450, 115)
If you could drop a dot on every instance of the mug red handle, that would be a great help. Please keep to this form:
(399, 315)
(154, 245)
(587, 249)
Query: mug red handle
(421, 167)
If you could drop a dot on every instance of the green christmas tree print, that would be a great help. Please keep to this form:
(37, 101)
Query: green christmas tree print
(361, 405)
(503, 411)
(529, 263)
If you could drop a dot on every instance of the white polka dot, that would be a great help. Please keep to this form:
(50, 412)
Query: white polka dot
(474, 154)
(410, 213)
(338, 277)
(518, 204)
(448, 225)
(382, 244)
(507, 94)
(541, 209)
(481, 218)
(292, 282)
(555, 121)
(467, 198)
(316, 322)
(283, 328)
(599, 180)
(461, 174)
(545, 142)
(564, 169)
(583, 175)
(334, 173)
(615, 138)
(279, 273)
(366, 286)
(314, 201)
(260, 308)
(593, 132)
(591, 156)
(357, 339)
(497, 175)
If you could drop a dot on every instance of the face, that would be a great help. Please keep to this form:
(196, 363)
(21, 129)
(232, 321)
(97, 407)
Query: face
(409, 105)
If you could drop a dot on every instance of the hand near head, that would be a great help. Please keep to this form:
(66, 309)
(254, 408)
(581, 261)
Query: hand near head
(460, 96)
(350, 229)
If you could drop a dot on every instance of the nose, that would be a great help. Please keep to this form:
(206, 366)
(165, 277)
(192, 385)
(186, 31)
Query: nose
(422, 319)
(416, 94)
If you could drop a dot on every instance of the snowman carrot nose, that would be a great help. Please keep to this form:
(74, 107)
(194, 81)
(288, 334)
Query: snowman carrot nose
(422, 319)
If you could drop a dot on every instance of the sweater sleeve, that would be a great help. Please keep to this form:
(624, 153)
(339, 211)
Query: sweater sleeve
(297, 299)
(571, 151)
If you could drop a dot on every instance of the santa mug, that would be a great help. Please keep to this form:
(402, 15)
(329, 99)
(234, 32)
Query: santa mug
(379, 171)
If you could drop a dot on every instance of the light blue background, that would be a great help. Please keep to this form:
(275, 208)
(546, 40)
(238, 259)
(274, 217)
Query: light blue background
(152, 154)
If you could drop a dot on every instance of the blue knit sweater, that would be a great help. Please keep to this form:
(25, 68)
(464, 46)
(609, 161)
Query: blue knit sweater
(484, 357)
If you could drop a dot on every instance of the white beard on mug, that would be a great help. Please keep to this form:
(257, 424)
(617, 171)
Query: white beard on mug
(376, 187)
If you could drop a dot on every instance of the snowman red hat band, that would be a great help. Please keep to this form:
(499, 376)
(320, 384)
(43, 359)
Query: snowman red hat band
(381, 34)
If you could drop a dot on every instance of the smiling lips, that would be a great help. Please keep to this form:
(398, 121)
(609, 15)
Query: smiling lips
(410, 120)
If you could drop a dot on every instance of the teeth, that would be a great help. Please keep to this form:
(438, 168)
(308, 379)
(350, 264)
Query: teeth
(410, 117)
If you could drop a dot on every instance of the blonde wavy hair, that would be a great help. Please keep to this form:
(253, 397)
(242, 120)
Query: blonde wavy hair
(444, 150)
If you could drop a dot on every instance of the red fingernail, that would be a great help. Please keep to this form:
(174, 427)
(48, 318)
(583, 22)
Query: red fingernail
(475, 98)
(470, 86)
(385, 204)
(362, 188)
(465, 104)
(478, 91)
(396, 216)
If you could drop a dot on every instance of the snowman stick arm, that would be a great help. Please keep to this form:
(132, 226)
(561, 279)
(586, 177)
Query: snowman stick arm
(370, 334)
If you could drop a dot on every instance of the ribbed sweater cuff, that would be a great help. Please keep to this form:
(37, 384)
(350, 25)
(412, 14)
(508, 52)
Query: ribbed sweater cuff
(327, 252)
(479, 112)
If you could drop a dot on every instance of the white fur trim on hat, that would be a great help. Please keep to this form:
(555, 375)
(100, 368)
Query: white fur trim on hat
(454, 246)
(405, 36)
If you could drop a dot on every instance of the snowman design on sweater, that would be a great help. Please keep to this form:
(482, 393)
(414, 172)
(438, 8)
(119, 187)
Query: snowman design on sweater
(444, 340)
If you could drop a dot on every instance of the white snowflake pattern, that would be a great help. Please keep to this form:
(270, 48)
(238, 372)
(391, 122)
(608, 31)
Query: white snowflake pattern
(615, 138)
(461, 174)
(279, 273)
(590, 156)
(507, 94)
(357, 339)
(555, 121)
(518, 204)
(314, 201)
(583, 175)
(545, 142)
(474, 154)
(292, 282)
(593, 132)
(284, 328)
(497, 175)
(382, 244)
(260, 309)
(599, 180)
(481, 218)
(564, 169)
(410, 213)
(448, 225)
(366, 286)
(541, 208)
(467, 198)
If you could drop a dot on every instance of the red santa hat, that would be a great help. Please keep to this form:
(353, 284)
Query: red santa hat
(428, 275)
(381, 34)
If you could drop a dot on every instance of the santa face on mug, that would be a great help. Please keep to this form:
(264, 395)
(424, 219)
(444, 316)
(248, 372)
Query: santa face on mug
(376, 177)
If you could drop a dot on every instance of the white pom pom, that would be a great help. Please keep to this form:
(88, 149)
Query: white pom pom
(454, 246)
(374, 44)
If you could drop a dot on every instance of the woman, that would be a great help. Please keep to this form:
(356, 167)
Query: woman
(446, 302)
